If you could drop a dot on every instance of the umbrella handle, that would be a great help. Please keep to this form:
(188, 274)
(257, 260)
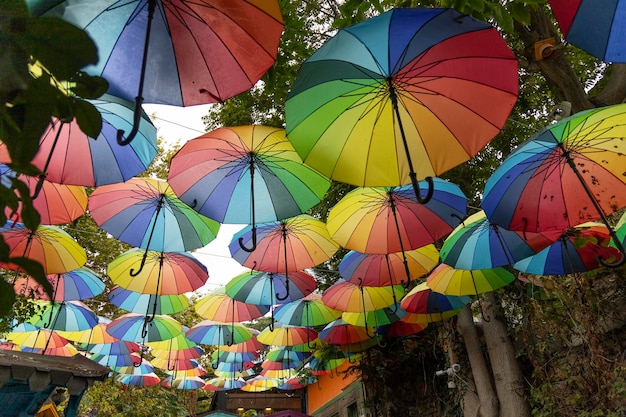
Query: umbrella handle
(620, 248)
(242, 246)
(278, 297)
(136, 121)
(132, 272)
(416, 188)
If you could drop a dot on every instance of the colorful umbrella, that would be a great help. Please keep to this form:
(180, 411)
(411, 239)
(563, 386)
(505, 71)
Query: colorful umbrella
(148, 304)
(140, 379)
(278, 374)
(339, 332)
(135, 327)
(114, 361)
(267, 288)
(52, 247)
(250, 345)
(78, 284)
(55, 203)
(424, 86)
(163, 273)
(146, 213)
(427, 306)
(620, 230)
(306, 312)
(233, 357)
(143, 367)
(450, 281)
(68, 156)
(567, 174)
(595, 27)
(224, 384)
(580, 249)
(401, 329)
(381, 220)
(175, 355)
(347, 296)
(26, 334)
(286, 335)
(219, 306)
(185, 383)
(374, 318)
(173, 364)
(382, 270)
(479, 244)
(121, 348)
(245, 174)
(68, 350)
(260, 384)
(70, 316)
(214, 333)
(178, 342)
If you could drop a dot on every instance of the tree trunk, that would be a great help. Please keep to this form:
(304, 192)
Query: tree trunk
(482, 377)
(508, 376)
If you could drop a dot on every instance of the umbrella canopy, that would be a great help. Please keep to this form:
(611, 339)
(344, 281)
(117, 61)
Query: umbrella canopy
(195, 52)
(224, 384)
(55, 203)
(51, 246)
(78, 284)
(347, 296)
(97, 335)
(425, 86)
(287, 245)
(580, 249)
(121, 348)
(374, 318)
(26, 334)
(479, 244)
(185, 383)
(66, 155)
(567, 174)
(380, 220)
(245, 174)
(214, 333)
(68, 350)
(233, 357)
(401, 329)
(450, 281)
(136, 302)
(178, 342)
(267, 288)
(286, 335)
(306, 312)
(219, 306)
(173, 364)
(594, 27)
(143, 367)
(427, 306)
(339, 332)
(163, 273)
(135, 327)
(176, 355)
(388, 269)
(146, 213)
(114, 361)
(250, 345)
(139, 380)
(70, 316)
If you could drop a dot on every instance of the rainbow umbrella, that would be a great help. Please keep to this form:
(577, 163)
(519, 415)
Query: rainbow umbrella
(374, 318)
(224, 384)
(163, 273)
(219, 306)
(51, 246)
(425, 305)
(307, 312)
(181, 354)
(268, 288)
(323, 366)
(172, 364)
(479, 244)
(214, 333)
(260, 384)
(401, 329)
(146, 213)
(143, 367)
(55, 203)
(183, 373)
(595, 27)
(136, 302)
(339, 332)
(185, 383)
(231, 368)
(579, 249)
(26, 334)
(569, 173)
(287, 245)
(178, 342)
(286, 335)
(114, 361)
(234, 357)
(415, 85)
(378, 270)
(347, 296)
(135, 327)
(68, 156)
(68, 350)
(78, 284)
(245, 174)
(122, 348)
(620, 230)
(140, 379)
(450, 281)
(66, 315)
(97, 335)
(278, 374)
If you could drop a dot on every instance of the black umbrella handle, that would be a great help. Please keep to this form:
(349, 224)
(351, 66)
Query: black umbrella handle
(253, 236)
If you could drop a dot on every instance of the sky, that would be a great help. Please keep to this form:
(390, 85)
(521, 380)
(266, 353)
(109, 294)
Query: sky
(185, 123)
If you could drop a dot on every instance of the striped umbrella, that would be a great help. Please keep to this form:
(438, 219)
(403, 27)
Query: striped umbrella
(135, 327)
(213, 333)
(78, 284)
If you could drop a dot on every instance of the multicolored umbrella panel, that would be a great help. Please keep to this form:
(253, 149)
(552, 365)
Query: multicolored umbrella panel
(51, 246)
(245, 175)
(78, 284)
(286, 335)
(580, 249)
(347, 296)
(135, 327)
(479, 244)
(185, 383)
(450, 281)
(214, 333)
(426, 306)
(405, 95)
(268, 288)
(66, 155)
(306, 312)
(55, 203)
(70, 316)
(567, 174)
(594, 27)
(148, 304)
(146, 213)
(219, 306)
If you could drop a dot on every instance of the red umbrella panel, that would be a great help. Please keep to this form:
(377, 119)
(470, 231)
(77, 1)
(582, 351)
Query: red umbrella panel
(78, 284)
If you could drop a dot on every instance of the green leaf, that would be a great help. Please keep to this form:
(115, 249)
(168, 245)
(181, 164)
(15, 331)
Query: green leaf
(29, 216)
(7, 298)
(35, 270)
(520, 13)
(503, 17)
(49, 38)
(88, 86)
(88, 118)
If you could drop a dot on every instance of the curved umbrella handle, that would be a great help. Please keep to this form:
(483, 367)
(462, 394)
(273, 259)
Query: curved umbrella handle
(138, 364)
(620, 248)
(133, 272)
(136, 121)
(278, 297)
(416, 188)
(252, 249)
